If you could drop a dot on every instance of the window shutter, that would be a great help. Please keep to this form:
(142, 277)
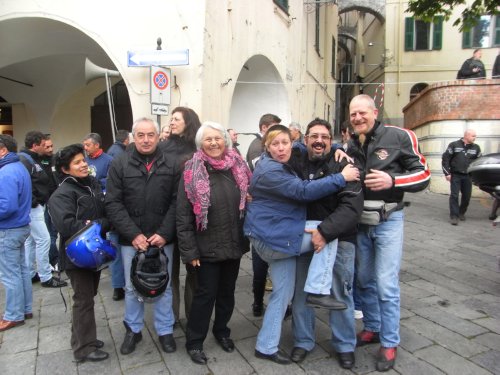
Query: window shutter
(409, 33)
(437, 37)
(496, 40)
(467, 39)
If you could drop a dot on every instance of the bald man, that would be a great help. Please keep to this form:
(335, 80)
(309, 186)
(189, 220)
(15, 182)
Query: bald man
(455, 162)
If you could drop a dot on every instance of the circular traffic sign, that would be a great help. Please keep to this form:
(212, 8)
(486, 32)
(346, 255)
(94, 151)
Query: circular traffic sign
(160, 80)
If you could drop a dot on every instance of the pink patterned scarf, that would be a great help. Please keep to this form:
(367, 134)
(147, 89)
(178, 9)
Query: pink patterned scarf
(197, 184)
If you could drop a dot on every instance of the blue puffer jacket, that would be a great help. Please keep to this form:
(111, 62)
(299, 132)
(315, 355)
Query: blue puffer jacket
(277, 213)
(15, 193)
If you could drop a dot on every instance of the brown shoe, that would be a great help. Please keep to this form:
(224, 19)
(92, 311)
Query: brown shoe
(7, 324)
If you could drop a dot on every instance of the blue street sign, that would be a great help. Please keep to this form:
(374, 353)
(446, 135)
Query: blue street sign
(158, 57)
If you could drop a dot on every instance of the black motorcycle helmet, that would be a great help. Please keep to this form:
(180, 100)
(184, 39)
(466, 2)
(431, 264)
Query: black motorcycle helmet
(149, 273)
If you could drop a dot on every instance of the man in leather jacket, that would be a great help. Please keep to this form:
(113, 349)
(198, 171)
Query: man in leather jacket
(393, 165)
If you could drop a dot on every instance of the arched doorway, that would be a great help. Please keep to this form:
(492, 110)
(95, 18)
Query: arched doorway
(258, 90)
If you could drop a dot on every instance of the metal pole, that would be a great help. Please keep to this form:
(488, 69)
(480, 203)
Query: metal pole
(158, 117)
(111, 114)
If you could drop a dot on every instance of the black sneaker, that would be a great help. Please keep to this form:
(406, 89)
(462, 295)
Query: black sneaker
(454, 220)
(54, 282)
(35, 278)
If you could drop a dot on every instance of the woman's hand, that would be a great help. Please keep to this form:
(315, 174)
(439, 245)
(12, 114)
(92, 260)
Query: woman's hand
(350, 173)
(195, 262)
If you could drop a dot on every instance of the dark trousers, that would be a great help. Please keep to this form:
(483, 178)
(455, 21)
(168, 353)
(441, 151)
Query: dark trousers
(460, 183)
(189, 287)
(53, 252)
(83, 328)
(216, 284)
(259, 277)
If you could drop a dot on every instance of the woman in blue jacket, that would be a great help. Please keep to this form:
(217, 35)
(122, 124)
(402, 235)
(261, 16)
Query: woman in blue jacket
(275, 224)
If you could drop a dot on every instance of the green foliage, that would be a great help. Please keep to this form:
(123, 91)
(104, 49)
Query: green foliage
(427, 9)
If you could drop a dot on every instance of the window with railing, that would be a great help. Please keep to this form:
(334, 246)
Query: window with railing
(423, 36)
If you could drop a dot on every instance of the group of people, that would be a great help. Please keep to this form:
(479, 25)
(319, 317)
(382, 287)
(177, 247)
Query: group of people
(301, 210)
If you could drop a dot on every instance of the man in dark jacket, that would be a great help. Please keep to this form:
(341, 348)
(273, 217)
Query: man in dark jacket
(121, 143)
(393, 165)
(455, 162)
(38, 243)
(473, 67)
(338, 215)
(47, 163)
(140, 204)
(15, 207)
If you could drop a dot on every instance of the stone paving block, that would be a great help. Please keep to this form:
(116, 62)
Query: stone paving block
(443, 336)
(405, 313)
(54, 338)
(449, 362)
(405, 276)
(324, 366)
(261, 366)
(56, 363)
(244, 283)
(408, 364)
(441, 291)
(488, 308)
(414, 292)
(20, 339)
(491, 340)
(241, 327)
(456, 281)
(219, 362)
(490, 323)
(23, 363)
(489, 360)
(158, 368)
(453, 323)
(458, 309)
(412, 341)
(55, 314)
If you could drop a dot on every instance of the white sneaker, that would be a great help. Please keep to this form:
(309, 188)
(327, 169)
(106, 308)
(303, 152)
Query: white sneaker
(358, 314)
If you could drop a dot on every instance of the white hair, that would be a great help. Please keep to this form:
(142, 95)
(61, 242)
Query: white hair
(213, 125)
(145, 119)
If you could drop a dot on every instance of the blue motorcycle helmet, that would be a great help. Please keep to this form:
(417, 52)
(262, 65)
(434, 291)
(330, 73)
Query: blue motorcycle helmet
(87, 249)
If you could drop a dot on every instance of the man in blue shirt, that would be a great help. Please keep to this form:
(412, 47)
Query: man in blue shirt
(15, 208)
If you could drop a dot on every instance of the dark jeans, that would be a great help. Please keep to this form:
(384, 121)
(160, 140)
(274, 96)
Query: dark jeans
(53, 252)
(259, 277)
(83, 328)
(189, 287)
(460, 183)
(216, 284)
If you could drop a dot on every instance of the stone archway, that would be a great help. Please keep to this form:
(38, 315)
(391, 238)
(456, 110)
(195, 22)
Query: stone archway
(375, 7)
(258, 90)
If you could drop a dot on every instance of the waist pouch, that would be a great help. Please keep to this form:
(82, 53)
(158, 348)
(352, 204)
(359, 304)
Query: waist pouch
(376, 212)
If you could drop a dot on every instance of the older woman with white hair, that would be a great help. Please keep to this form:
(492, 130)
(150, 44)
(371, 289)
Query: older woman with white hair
(210, 210)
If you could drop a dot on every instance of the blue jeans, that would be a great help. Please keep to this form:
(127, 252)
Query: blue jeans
(378, 259)
(38, 244)
(282, 272)
(134, 308)
(14, 273)
(341, 321)
(319, 277)
(116, 267)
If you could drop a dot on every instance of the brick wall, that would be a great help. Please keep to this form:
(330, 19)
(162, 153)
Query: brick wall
(455, 100)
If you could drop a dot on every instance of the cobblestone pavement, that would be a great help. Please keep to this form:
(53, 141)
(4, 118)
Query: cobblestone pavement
(450, 318)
